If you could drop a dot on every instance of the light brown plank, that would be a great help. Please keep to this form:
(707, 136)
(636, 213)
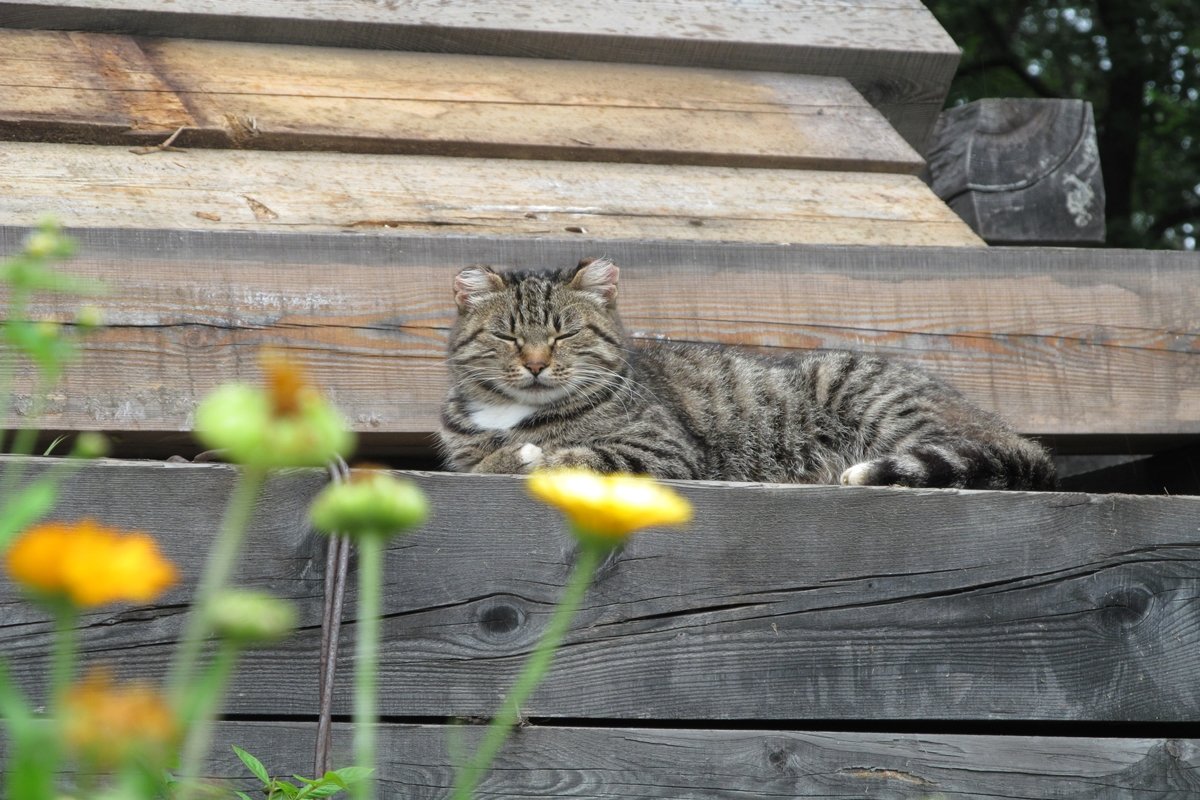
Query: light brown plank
(90, 187)
(103, 89)
(894, 52)
(1079, 342)
(777, 603)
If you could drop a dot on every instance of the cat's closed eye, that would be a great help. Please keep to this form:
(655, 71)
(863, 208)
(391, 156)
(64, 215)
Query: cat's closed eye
(504, 337)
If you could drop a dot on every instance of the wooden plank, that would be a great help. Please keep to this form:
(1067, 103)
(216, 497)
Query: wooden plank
(1069, 343)
(91, 187)
(104, 89)
(779, 603)
(1021, 170)
(673, 763)
(895, 53)
(606, 762)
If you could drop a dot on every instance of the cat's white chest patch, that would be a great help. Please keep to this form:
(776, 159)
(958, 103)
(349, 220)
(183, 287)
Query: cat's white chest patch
(499, 416)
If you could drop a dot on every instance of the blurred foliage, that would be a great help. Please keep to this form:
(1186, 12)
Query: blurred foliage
(1139, 65)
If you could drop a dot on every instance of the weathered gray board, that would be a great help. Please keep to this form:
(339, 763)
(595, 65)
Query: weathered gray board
(779, 603)
(1098, 345)
(896, 53)
(607, 763)
(1021, 170)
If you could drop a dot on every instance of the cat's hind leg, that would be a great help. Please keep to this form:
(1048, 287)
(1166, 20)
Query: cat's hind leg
(1007, 463)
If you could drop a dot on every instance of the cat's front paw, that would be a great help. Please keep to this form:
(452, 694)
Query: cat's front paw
(530, 455)
(511, 459)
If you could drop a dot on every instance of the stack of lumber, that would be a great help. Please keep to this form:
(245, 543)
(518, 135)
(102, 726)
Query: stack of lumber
(313, 175)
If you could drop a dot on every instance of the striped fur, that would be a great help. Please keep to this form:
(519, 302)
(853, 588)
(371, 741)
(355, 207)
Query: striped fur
(543, 375)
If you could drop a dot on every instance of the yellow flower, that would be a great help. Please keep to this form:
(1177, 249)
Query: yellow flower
(607, 508)
(107, 724)
(89, 563)
(289, 424)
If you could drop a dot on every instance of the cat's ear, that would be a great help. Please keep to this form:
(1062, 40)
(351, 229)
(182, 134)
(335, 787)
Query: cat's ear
(597, 276)
(473, 283)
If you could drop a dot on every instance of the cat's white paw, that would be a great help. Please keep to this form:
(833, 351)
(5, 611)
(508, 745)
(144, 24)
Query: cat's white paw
(858, 475)
(530, 454)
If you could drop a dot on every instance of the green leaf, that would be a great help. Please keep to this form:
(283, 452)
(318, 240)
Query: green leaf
(26, 507)
(321, 790)
(243, 796)
(348, 776)
(253, 764)
(287, 789)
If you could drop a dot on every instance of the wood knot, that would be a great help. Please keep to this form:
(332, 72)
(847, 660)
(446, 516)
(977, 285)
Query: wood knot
(500, 619)
(1126, 607)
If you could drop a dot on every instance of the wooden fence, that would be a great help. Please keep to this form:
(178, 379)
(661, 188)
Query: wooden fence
(721, 659)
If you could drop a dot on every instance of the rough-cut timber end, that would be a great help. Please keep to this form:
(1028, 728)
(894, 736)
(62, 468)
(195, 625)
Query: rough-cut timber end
(1021, 171)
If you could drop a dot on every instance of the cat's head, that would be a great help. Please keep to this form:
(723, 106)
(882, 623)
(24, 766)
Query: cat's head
(537, 337)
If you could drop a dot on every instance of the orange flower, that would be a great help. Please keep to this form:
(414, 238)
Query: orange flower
(108, 725)
(90, 564)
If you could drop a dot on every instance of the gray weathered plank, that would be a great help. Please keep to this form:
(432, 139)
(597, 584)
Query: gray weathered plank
(121, 90)
(778, 603)
(1070, 343)
(895, 53)
(1021, 170)
(605, 763)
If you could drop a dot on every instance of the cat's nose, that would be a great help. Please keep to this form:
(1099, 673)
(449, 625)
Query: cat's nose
(535, 366)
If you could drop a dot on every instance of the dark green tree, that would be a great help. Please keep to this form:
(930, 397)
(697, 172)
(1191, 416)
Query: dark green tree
(1139, 65)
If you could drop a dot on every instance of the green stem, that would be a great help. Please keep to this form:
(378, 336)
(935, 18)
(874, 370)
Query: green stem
(202, 708)
(24, 440)
(216, 573)
(17, 300)
(532, 674)
(366, 659)
(65, 647)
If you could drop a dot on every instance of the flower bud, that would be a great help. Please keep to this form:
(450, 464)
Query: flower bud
(90, 444)
(89, 318)
(249, 618)
(373, 503)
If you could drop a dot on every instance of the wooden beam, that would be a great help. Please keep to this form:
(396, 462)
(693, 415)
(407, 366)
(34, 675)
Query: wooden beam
(104, 89)
(646, 763)
(1080, 343)
(778, 603)
(1021, 170)
(672, 763)
(90, 187)
(895, 53)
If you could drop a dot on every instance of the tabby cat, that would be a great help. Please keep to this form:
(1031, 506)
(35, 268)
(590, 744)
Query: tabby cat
(543, 375)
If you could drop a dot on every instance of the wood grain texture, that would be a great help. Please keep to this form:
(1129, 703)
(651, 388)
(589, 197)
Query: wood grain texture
(1062, 342)
(894, 52)
(542, 762)
(105, 89)
(86, 186)
(606, 762)
(1021, 170)
(778, 603)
